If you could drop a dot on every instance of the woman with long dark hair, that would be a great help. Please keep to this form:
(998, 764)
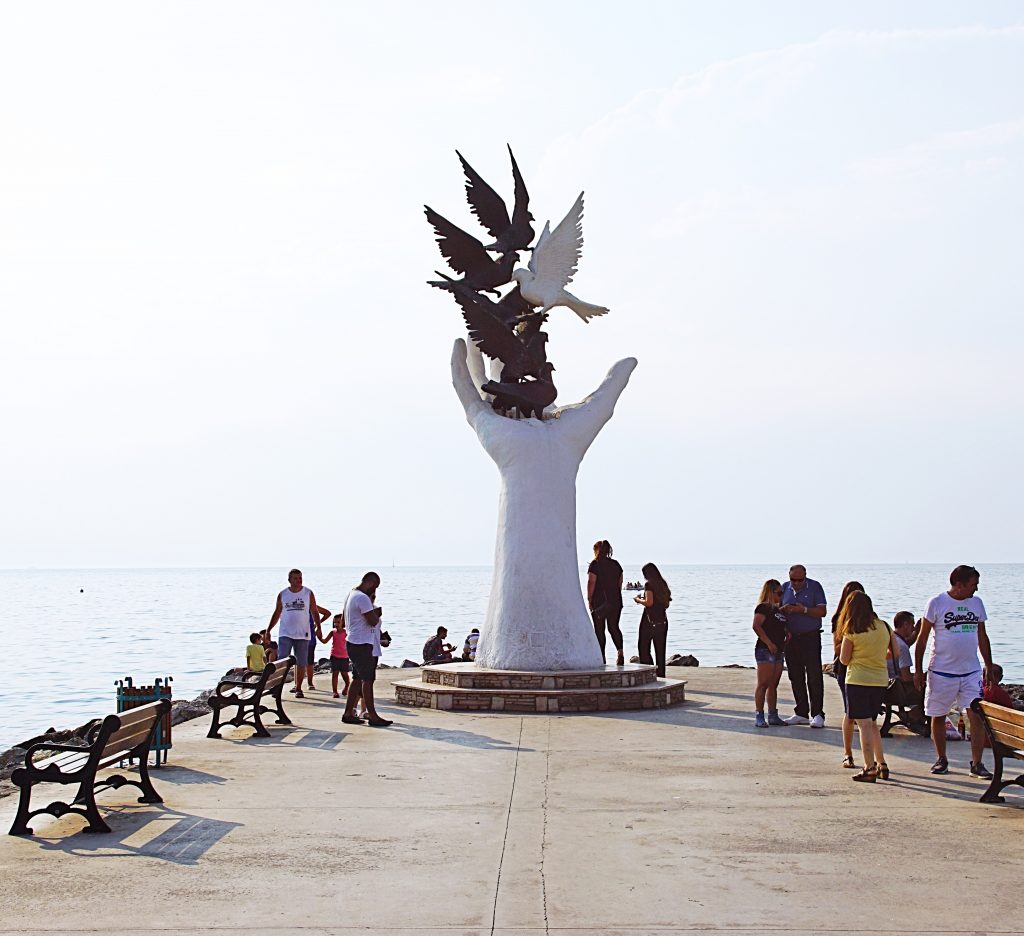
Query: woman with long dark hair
(604, 596)
(866, 640)
(770, 626)
(839, 670)
(656, 598)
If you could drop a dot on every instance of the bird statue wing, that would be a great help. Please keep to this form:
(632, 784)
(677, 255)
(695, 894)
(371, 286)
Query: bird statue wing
(521, 216)
(463, 251)
(557, 253)
(485, 203)
(489, 333)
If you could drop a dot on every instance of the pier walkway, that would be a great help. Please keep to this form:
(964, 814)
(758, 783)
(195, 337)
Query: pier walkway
(675, 821)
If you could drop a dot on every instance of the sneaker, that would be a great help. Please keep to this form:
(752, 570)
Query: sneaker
(797, 720)
(774, 720)
(940, 766)
(759, 721)
(980, 770)
(818, 721)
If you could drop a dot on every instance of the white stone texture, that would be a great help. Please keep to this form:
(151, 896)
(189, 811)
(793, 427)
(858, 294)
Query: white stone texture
(537, 618)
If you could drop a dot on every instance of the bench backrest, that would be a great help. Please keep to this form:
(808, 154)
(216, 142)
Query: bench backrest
(280, 671)
(1006, 725)
(132, 727)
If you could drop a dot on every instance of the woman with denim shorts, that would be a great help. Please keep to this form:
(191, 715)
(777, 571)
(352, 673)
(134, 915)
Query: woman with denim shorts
(770, 626)
(839, 670)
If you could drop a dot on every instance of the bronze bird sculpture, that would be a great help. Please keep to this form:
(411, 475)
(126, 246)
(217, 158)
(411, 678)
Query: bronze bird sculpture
(530, 397)
(468, 256)
(510, 234)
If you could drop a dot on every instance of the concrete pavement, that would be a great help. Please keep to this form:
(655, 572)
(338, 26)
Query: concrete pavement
(678, 820)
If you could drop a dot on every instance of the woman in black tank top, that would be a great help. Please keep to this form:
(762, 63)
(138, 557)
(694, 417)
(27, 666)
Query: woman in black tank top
(656, 598)
(604, 596)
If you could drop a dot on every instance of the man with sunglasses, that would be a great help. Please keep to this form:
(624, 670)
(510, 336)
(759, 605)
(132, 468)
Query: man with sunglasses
(803, 600)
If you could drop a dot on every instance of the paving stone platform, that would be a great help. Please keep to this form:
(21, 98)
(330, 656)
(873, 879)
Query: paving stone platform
(466, 687)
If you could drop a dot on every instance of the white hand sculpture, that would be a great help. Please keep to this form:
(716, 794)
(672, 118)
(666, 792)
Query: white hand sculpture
(536, 618)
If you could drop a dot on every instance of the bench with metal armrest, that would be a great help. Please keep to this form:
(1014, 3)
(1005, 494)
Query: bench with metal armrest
(117, 738)
(246, 697)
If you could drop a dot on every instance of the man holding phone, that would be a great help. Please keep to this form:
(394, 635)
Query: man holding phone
(363, 645)
(803, 601)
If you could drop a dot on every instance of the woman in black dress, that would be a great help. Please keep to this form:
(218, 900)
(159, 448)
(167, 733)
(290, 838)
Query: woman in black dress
(604, 595)
(656, 598)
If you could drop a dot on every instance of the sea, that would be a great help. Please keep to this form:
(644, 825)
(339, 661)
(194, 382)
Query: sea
(94, 627)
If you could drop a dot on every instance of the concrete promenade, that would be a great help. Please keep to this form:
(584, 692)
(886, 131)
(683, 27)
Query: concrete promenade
(674, 821)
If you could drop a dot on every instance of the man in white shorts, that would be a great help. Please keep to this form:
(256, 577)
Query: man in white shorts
(955, 677)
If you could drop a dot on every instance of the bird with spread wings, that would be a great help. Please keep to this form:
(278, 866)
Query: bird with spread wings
(553, 265)
(510, 234)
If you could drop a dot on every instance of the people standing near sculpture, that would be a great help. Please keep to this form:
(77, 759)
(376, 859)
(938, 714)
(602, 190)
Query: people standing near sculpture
(839, 670)
(656, 598)
(363, 618)
(292, 610)
(955, 677)
(866, 640)
(604, 597)
(769, 652)
(803, 600)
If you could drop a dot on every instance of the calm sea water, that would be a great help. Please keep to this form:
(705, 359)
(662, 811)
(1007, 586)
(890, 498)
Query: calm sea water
(193, 624)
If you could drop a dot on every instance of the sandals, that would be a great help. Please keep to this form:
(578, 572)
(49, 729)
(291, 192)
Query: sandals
(848, 761)
(299, 694)
(865, 776)
(883, 770)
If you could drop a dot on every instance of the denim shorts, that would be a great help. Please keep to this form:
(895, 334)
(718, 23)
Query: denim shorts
(293, 646)
(763, 655)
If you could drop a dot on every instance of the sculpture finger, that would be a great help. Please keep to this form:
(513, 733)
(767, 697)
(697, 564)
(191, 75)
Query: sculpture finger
(464, 383)
(585, 419)
(477, 368)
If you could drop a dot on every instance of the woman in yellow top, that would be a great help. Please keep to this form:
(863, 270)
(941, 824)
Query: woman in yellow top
(839, 671)
(866, 641)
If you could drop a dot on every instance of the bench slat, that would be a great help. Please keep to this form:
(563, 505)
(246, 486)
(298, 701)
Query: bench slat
(1012, 739)
(1002, 713)
(124, 741)
(142, 713)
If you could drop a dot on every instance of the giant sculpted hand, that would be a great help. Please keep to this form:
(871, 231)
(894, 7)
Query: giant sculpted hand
(536, 618)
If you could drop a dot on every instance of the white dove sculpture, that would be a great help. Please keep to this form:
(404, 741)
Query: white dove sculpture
(553, 265)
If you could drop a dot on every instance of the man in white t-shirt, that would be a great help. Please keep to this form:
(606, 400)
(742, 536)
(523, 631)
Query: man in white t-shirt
(362, 619)
(293, 608)
(955, 677)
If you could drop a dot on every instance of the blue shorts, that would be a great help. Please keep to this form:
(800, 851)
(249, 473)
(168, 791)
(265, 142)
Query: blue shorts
(763, 655)
(293, 646)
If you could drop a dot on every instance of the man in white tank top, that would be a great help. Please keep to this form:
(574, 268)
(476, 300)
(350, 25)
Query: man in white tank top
(293, 608)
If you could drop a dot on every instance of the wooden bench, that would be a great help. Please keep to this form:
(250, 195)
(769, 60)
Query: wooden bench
(897, 712)
(116, 738)
(1005, 727)
(246, 696)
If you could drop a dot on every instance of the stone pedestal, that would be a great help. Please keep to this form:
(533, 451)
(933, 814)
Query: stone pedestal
(466, 687)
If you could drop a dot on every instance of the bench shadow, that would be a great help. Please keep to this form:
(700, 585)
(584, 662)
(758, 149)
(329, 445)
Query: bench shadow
(183, 840)
(174, 773)
(310, 738)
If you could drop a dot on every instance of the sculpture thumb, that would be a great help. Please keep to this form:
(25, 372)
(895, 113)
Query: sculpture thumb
(462, 380)
(585, 420)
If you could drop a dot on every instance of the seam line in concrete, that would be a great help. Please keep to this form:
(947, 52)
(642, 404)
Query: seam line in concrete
(508, 821)
(544, 830)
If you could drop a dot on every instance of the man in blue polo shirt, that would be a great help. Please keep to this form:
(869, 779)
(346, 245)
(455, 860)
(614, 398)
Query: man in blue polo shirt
(803, 600)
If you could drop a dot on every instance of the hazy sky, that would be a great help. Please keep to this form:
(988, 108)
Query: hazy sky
(219, 348)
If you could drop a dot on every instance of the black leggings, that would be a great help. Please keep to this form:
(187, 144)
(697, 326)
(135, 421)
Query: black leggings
(656, 634)
(609, 616)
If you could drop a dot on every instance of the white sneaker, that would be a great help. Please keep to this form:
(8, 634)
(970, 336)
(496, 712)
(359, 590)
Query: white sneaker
(818, 721)
(796, 720)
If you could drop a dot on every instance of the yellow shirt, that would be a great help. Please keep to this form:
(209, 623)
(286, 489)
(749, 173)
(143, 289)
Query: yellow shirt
(256, 658)
(867, 665)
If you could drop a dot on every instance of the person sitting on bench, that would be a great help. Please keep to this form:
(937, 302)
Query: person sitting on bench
(905, 629)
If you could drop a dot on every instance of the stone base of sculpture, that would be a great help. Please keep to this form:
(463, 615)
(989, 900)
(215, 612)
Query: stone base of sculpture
(466, 687)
